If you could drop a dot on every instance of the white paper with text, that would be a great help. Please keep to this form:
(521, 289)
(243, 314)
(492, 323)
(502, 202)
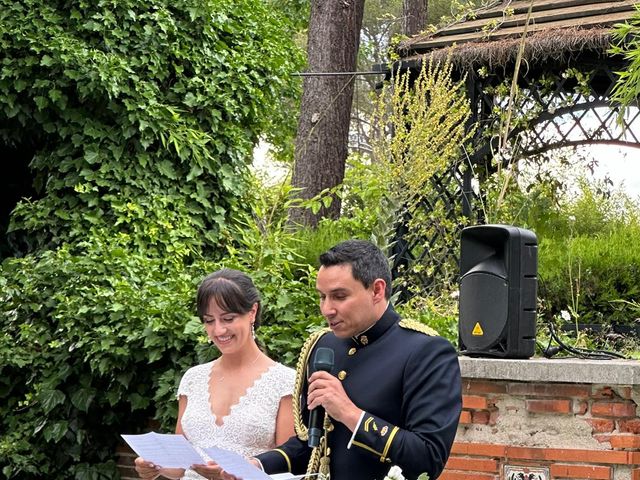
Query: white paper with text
(174, 451)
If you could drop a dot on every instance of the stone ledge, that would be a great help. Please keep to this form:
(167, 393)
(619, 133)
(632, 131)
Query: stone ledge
(569, 370)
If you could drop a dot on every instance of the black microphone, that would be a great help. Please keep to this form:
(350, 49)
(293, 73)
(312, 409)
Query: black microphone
(322, 361)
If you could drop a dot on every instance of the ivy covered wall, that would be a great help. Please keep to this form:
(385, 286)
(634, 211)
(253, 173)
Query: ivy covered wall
(137, 120)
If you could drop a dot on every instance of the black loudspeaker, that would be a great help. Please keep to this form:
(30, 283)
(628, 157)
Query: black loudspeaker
(498, 283)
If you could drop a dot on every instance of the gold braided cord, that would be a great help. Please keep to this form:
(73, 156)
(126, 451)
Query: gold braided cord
(301, 371)
(313, 467)
(319, 461)
(324, 469)
(324, 459)
(418, 327)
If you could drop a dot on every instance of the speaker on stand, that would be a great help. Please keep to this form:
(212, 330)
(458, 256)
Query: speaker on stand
(498, 286)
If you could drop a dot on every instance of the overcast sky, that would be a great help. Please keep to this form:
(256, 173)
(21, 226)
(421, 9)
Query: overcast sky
(621, 164)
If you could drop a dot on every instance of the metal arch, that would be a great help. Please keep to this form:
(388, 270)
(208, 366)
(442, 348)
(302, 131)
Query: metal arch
(453, 188)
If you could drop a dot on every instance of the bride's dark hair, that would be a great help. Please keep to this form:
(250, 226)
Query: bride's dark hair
(233, 291)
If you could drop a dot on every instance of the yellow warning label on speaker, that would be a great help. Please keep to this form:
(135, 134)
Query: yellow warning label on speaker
(477, 330)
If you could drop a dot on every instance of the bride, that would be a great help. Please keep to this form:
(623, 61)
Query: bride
(241, 401)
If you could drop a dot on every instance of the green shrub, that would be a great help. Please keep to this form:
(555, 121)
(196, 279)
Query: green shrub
(141, 119)
(268, 250)
(96, 336)
(586, 263)
(439, 313)
(93, 336)
(591, 274)
(314, 242)
(118, 99)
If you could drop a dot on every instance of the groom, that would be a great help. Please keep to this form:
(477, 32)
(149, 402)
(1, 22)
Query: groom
(393, 396)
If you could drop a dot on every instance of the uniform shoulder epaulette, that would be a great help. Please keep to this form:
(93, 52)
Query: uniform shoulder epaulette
(418, 327)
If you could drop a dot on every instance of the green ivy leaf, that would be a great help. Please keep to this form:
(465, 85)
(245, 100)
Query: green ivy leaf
(138, 401)
(92, 155)
(55, 432)
(165, 167)
(46, 61)
(51, 399)
(82, 398)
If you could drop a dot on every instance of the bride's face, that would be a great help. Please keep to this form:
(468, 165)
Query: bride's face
(229, 331)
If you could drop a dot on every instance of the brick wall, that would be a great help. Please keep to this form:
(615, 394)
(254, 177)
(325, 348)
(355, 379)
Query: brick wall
(126, 456)
(577, 431)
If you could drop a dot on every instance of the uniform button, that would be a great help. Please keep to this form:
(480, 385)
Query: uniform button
(342, 375)
(352, 351)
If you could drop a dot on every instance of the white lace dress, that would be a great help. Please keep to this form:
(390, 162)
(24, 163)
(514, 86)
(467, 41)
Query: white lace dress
(251, 424)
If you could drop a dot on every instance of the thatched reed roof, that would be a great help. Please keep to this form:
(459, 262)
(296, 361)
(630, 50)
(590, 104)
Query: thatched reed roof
(557, 30)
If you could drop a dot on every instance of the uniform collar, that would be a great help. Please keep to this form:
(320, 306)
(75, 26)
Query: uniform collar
(375, 331)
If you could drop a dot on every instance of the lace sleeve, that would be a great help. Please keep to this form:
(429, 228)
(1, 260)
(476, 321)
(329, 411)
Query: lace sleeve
(187, 381)
(287, 380)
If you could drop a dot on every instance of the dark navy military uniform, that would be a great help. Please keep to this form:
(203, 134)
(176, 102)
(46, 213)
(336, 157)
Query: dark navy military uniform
(407, 383)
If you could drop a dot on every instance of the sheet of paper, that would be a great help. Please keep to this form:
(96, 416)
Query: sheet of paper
(235, 464)
(165, 450)
(290, 476)
(175, 451)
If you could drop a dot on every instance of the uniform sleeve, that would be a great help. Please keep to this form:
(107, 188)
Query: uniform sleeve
(292, 456)
(431, 407)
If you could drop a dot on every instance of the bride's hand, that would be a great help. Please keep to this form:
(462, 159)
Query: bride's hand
(210, 470)
(173, 473)
(146, 470)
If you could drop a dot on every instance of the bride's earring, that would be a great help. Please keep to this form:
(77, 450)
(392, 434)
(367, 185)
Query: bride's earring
(253, 331)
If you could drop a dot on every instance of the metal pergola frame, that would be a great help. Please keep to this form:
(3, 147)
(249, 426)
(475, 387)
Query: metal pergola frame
(559, 123)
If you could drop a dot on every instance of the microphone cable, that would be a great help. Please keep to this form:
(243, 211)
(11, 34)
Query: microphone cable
(584, 353)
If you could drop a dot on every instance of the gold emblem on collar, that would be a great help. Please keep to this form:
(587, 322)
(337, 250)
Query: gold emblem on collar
(364, 340)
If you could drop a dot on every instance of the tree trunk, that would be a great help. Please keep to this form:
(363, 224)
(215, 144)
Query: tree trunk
(414, 16)
(323, 127)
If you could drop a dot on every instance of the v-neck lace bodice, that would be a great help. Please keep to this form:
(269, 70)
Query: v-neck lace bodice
(250, 426)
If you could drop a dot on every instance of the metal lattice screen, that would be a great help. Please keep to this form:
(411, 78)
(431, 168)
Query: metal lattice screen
(572, 111)
(430, 262)
(561, 110)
